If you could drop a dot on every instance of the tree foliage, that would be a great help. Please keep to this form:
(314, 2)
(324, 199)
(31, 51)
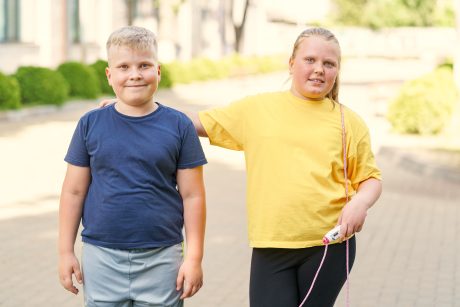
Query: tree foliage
(393, 13)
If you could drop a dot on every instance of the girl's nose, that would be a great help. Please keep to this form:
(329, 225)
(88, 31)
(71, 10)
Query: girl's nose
(319, 68)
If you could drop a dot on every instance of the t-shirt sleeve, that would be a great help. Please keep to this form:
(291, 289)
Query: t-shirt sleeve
(77, 154)
(362, 165)
(191, 152)
(225, 126)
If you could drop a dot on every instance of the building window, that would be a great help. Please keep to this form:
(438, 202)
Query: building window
(141, 9)
(73, 19)
(9, 21)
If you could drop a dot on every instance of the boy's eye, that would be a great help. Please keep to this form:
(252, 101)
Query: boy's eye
(145, 65)
(309, 60)
(123, 67)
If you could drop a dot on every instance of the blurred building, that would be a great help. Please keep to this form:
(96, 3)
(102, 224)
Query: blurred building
(49, 32)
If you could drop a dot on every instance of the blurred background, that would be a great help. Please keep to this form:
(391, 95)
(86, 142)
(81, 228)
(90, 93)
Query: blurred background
(399, 72)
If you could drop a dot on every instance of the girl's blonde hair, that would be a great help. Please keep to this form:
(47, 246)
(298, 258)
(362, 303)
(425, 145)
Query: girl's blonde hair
(137, 38)
(328, 36)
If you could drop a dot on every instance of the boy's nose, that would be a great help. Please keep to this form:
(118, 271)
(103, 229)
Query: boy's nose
(135, 74)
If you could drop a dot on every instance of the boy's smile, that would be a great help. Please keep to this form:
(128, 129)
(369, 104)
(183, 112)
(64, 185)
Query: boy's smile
(134, 76)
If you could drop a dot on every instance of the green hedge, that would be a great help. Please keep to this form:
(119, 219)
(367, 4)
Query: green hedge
(99, 67)
(200, 69)
(10, 95)
(166, 81)
(424, 105)
(41, 85)
(82, 79)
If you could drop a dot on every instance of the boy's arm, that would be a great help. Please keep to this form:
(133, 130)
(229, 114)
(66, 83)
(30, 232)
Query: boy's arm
(354, 213)
(191, 188)
(73, 194)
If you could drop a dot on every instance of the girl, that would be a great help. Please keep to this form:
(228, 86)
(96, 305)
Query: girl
(297, 189)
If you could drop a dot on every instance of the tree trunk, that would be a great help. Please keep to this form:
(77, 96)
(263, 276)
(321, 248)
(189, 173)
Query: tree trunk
(239, 29)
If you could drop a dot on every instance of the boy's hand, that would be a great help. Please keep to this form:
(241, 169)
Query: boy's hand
(190, 278)
(106, 102)
(68, 266)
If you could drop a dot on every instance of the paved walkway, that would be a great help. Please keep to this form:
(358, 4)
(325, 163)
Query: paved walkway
(407, 253)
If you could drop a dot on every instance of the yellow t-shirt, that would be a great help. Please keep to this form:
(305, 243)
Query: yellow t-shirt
(293, 152)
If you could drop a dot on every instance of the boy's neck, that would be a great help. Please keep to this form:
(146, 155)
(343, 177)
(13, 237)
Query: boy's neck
(136, 110)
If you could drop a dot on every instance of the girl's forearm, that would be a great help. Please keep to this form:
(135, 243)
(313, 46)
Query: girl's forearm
(369, 192)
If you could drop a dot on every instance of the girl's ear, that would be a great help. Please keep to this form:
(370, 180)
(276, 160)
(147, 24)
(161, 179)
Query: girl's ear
(291, 63)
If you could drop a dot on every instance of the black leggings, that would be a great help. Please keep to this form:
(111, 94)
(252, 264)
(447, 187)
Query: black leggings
(281, 277)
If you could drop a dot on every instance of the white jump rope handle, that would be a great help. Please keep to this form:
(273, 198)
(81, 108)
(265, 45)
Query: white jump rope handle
(332, 235)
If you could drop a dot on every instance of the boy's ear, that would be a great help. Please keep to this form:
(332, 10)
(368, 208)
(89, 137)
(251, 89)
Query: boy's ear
(291, 62)
(159, 73)
(107, 73)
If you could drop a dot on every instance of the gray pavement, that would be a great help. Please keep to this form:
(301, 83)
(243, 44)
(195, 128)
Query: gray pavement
(407, 253)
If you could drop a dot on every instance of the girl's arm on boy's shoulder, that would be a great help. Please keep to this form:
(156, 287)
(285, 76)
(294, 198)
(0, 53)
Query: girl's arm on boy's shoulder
(197, 123)
(73, 194)
(191, 188)
(354, 213)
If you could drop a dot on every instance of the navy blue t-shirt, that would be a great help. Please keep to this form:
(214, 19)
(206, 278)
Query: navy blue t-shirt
(132, 201)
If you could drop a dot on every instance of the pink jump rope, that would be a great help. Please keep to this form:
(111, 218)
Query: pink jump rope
(334, 234)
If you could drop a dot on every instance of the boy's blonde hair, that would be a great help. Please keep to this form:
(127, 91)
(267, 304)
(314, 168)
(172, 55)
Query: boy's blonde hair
(328, 36)
(136, 38)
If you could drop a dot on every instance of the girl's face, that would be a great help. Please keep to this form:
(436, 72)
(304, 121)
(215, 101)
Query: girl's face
(314, 68)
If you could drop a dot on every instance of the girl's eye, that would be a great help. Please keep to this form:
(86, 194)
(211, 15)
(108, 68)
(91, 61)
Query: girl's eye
(329, 65)
(309, 60)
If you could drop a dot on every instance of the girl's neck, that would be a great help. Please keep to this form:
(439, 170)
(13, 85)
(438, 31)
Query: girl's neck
(299, 95)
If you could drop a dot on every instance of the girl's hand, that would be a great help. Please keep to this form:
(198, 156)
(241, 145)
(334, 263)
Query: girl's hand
(68, 266)
(190, 278)
(354, 213)
(106, 102)
(352, 218)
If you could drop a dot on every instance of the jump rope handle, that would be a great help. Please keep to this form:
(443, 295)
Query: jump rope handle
(332, 235)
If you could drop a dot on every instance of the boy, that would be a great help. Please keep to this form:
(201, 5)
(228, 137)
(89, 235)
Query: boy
(134, 178)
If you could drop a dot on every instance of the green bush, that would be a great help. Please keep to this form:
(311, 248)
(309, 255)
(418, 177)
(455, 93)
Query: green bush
(424, 105)
(180, 72)
(393, 13)
(10, 96)
(39, 85)
(99, 67)
(166, 81)
(447, 63)
(82, 79)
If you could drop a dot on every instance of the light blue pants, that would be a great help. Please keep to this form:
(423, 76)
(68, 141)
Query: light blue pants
(122, 278)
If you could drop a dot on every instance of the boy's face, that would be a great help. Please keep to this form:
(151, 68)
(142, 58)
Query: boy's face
(133, 74)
